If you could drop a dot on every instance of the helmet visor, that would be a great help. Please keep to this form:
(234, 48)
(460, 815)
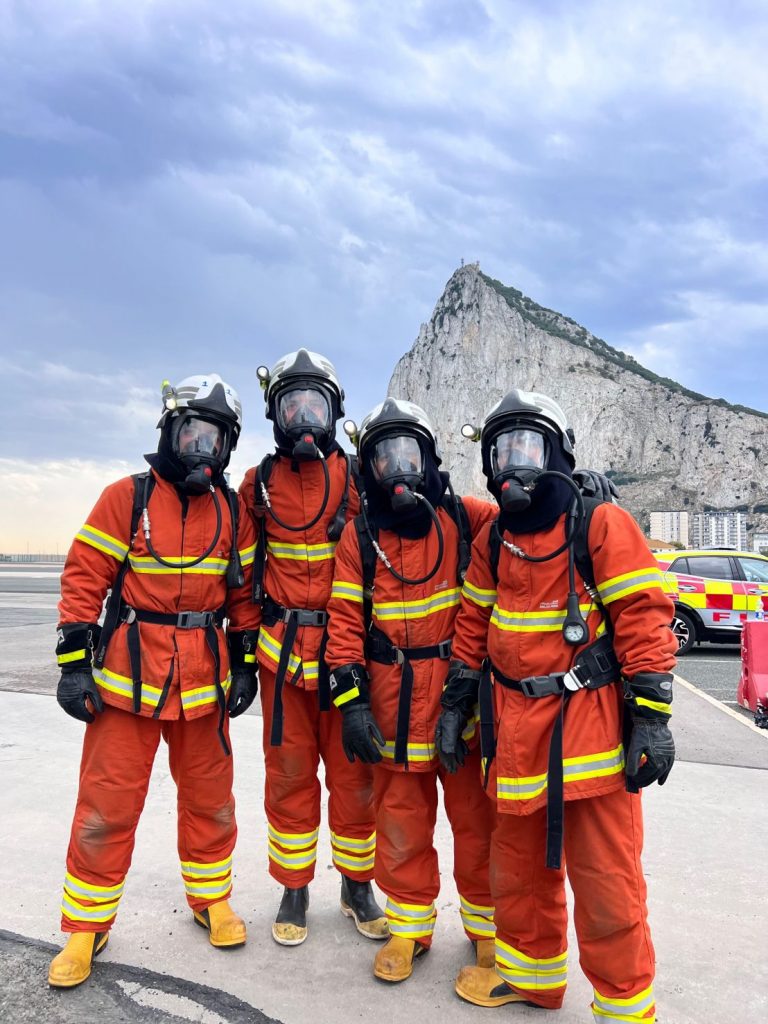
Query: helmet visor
(301, 408)
(521, 447)
(197, 436)
(396, 456)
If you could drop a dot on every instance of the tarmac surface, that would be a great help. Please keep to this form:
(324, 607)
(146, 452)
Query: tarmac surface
(705, 860)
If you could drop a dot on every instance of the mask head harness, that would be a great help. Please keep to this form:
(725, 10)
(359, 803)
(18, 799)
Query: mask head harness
(304, 400)
(397, 449)
(200, 425)
(522, 438)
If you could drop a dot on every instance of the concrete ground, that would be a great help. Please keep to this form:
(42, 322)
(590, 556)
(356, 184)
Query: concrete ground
(705, 857)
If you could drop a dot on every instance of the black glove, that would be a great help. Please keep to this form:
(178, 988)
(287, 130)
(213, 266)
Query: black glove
(242, 691)
(451, 748)
(594, 485)
(74, 690)
(652, 737)
(360, 735)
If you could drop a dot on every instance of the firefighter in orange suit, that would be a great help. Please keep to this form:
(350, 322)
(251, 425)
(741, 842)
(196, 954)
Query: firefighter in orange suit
(176, 551)
(579, 684)
(300, 497)
(389, 658)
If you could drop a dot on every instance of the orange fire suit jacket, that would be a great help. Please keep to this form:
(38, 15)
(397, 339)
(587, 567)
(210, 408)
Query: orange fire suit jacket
(177, 664)
(518, 624)
(410, 616)
(299, 566)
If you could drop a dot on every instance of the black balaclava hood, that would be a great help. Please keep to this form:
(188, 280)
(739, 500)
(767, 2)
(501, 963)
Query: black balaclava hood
(549, 500)
(416, 522)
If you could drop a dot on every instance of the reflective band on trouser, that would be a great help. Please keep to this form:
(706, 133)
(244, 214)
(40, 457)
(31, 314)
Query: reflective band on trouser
(529, 974)
(82, 901)
(212, 882)
(411, 920)
(293, 851)
(635, 1008)
(629, 583)
(103, 542)
(353, 854)
(575, 769)
(477, 920)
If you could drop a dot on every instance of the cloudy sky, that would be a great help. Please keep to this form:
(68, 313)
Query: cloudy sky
(195, 186)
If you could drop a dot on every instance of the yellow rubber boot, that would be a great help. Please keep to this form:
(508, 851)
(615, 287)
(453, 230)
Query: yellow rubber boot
(225, 929)
(485, 952)
(394, 961)
(72, 965)
(484, 987)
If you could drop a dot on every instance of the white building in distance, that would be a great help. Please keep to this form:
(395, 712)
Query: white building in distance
(671, 527)
(719, 530)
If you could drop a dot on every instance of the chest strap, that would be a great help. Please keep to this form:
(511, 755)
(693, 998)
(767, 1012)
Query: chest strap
(209, 621)
(596, 666)
(379, 648)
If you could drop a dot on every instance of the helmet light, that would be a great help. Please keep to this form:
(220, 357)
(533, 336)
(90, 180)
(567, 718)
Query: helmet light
(470, 432)
(169, 396)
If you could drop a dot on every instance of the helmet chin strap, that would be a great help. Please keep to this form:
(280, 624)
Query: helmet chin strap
(519, 487)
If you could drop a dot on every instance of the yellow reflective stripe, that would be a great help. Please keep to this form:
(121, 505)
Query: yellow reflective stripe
(301, 552)
(75, 911)
(629, 583)
(144, 565)
(292, 861)
(575, 769)
(471, 727)
(655, 705)
(632, 1008)
(249, 659)
(476, 918)
(65, 659)
(416, 751)
(97, 893)
(123, 686)
(209, 890)
(247, 555)
(346, 697)
(514, 956)
(484, 598)
(347, 591)
(298, 840)
(102, 542)
(342, 860)
(361, 845)
(410, 911)
(203, 694)
(385, 610)
(540, 621)
(272, 648)
(196, 869)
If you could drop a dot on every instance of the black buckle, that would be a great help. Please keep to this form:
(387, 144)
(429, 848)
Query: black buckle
(307, 616)
(542, 686)
(444, 649)
(398, 658)
(194, 620)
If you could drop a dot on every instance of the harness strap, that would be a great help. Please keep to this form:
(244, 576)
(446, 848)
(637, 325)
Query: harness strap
(212, 639)
(487, 732)
(379, 648)
(276, 737)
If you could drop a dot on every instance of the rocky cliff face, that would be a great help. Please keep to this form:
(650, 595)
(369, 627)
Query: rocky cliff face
(665, 447)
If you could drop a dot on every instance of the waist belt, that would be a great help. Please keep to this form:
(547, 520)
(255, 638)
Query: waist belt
(209, 621)
(595, 666)
(273, 612)
(379, 648)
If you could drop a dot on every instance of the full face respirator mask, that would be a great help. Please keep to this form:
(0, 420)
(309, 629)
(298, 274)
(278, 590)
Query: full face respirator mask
(397, 464)
(201, 447)
(518, 457)
(303, 416)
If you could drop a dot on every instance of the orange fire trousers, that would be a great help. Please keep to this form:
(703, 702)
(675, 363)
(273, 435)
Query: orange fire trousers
(603, 843)
(118, 752)
(406, 860)
(292, 790)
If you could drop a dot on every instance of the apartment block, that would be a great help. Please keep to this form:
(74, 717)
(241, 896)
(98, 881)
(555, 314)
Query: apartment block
(719, 530)
(671, 527)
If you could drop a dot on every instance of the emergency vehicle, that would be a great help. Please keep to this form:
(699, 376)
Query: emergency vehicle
(717, 592)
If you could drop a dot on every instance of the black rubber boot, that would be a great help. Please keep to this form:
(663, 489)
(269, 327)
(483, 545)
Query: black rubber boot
(357, 901)
(290, 926)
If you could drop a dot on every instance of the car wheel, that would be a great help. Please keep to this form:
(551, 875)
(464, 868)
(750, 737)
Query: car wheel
(684, 629)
